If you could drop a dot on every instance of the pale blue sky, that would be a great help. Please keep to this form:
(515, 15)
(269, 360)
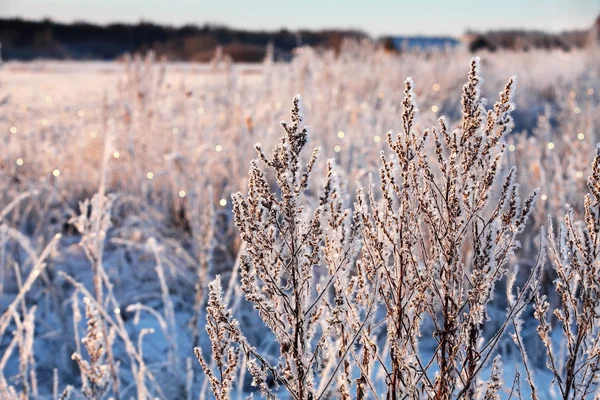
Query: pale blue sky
(375, 17)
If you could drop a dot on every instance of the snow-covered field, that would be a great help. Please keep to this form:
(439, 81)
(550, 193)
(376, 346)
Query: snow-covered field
(159, 149)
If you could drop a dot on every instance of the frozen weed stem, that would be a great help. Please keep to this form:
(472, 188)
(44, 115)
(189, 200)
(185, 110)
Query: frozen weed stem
(96, 372)
(93, 224)
(221, 331)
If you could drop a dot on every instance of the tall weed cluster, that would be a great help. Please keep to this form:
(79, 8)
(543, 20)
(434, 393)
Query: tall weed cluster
(426, 250)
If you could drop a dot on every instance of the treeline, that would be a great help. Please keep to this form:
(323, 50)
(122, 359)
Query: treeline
(27, 40)
(522, 40)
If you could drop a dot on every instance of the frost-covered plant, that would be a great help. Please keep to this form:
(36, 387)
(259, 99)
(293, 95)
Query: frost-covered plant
(576, 261)
(93, 223)
(23, 336)
(494, 385)
(222, 332)
(438, 243)
(434, 248)
(204, 232)
(295, 271)
(95, 371)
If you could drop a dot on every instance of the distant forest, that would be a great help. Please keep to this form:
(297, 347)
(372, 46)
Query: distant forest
(28, 40)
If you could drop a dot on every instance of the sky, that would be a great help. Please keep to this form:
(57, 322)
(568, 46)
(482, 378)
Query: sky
(376, 17)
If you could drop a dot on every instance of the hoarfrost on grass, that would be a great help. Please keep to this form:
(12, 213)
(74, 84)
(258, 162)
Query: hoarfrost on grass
(362, 269)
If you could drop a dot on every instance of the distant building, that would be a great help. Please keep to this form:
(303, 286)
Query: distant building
(403, 43)
(476, 42)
